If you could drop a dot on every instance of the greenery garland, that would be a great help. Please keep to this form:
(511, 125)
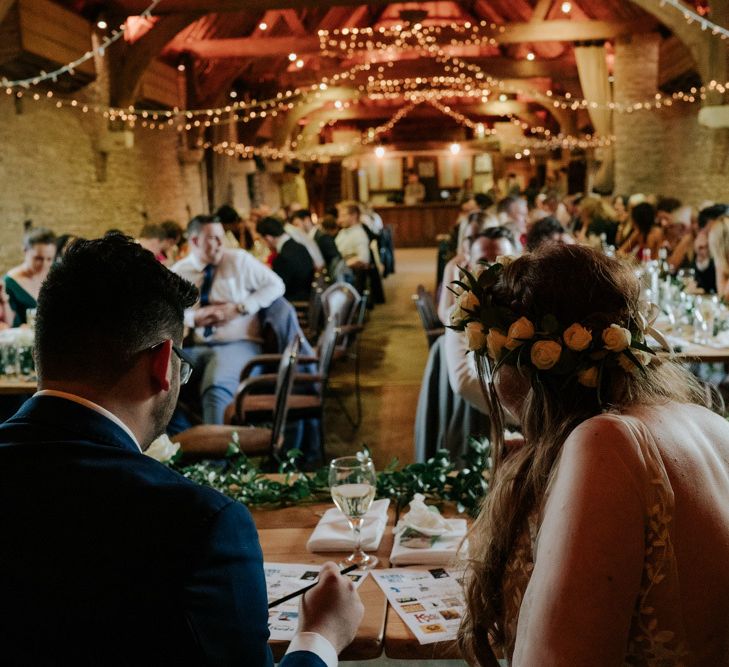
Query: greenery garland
(241, 478)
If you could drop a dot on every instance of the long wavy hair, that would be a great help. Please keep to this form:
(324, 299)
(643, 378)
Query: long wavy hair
(575, 284)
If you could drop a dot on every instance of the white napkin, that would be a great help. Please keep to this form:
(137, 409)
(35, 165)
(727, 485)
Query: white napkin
(333, 533)
(441, 553)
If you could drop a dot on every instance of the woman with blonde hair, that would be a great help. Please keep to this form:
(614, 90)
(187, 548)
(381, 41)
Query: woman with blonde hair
(719, 248)
(595, 219)
(604, 539)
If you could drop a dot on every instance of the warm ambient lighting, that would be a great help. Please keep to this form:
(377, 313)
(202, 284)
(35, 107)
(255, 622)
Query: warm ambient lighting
(566, 7)
(180, 68)
(338, 104)
(503, 98)
(233, 94)
(101, 24)
(455, 149)
(292, 57)
(263, 25)
(380, 151)
(530, 56)
(299, 63)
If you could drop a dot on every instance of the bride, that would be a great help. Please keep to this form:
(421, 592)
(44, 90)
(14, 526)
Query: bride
(604, 539)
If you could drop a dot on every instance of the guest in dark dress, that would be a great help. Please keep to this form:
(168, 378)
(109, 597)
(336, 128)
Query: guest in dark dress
(23, 282)
(291, 262)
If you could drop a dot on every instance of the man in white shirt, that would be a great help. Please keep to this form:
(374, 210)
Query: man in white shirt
(233, 286)
(352, 240)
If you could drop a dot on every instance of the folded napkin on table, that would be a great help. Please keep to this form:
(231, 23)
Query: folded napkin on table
(333, 533)
(442, 552)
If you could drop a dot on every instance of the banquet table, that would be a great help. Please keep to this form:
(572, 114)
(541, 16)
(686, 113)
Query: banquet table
(283, 534)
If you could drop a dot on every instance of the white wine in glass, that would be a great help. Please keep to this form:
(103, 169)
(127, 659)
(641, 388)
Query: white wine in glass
(352, 481)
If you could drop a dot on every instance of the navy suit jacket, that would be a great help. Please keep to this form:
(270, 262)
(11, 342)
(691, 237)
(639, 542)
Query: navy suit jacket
(108, 557)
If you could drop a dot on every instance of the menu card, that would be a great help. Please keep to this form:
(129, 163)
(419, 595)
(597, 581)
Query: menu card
(285, 578)
(429, 601)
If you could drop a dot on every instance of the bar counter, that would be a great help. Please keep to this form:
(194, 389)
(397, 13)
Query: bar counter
(419, 225)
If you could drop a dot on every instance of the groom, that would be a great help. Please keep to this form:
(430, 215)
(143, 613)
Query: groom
(107, 557)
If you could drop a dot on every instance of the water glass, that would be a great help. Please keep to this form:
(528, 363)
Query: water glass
(353, 481)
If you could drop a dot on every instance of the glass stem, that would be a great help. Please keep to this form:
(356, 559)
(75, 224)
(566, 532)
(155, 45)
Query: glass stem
(356, 525)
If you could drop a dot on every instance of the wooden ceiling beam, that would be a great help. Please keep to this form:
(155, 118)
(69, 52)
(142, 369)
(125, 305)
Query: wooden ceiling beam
(5, 5)
(134, 7)
(538, 31)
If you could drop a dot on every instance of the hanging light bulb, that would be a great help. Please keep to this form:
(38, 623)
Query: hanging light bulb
(566, 7)
(263, 25)
(101, 24)
(292, 57)
(530, 56)
(299, 63)
(455, 148)
(380, 151)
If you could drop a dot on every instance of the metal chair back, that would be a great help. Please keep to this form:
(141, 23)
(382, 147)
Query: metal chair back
(342, 300)
(428, 313)
(284, 384)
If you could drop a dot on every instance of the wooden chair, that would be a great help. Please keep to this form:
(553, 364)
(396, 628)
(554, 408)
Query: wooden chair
(432, 325)
(212, 440)
(250, 407)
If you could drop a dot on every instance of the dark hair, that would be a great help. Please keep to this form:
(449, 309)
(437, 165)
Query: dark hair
(301, 214)
(668, 204)
(171, 229)
(711, 213)
(541, 231)
(107, 301)
(227, 214)
(483, 201)
(496, 233)
(270, 226)
(352, 209)
(329, 223)
(194, 227)
(504, 204)
(644, 217)
(38, 236)
(62, 243)
(151, 231)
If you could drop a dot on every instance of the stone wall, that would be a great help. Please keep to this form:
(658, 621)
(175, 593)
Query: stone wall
(52, 174)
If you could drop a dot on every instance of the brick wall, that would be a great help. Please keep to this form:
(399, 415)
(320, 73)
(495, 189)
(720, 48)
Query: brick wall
(49, 173)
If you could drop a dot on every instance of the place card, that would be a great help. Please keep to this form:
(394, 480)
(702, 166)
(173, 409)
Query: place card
(285, 578)
(430, 602)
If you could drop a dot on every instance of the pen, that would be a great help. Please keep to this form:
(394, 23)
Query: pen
(301, 591)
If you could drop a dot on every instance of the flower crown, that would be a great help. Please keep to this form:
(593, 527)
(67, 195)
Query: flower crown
(507, 337)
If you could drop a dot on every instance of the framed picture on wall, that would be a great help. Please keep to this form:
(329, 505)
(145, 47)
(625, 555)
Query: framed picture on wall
(483, 164)
(426, 169)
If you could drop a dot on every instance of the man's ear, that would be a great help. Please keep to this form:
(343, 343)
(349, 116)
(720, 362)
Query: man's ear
(160, 365)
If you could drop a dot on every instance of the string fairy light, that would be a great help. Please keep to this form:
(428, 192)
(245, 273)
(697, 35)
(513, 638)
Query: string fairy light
(691, 17)
(70, 68)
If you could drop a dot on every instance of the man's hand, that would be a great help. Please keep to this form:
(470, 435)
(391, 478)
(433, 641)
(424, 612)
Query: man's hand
(332, 608)
(215, 314)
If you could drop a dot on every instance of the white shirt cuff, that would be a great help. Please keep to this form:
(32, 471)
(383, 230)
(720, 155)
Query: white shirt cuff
(314, 643)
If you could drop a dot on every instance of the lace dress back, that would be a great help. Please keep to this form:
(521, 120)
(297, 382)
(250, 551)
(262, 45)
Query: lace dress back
(657, 637)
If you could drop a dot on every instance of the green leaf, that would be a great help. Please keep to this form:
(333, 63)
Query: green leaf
(628, 353)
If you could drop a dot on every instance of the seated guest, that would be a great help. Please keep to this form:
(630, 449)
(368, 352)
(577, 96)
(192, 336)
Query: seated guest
(647, 235)
(546, 230)
(719, 247)
(147, 568)
(237, 234)
(513, 214)
(23, 282)
(297, 232)
(226, 331)
(291, 260)
(171, 242)
(446, 297)
(603, 539)
(152, 238)
(703, 264)
(327, 247)
(352, 240)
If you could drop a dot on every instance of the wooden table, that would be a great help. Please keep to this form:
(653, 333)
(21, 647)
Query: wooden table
(9, 386)
(283, 534)
(700, 353)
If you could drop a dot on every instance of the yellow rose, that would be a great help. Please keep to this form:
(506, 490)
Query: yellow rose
(545, 354)
(588, 377)
(577, 338)
(616, 338)
(468, 301)
(520, 331)
(475, 335)
(505, 260)
(495, 342)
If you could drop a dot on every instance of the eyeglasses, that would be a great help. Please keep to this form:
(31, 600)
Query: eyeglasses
(185, 364)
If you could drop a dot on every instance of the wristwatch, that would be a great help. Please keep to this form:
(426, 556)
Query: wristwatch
(241, 309)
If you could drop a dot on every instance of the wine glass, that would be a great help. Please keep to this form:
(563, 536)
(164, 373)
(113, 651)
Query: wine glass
(352, 482)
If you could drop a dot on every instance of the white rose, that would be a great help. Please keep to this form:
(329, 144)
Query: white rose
(475, 335)
(520, 331)
(588, 377)
(577, 338)
(505, 260)
(468, 301)
(616, 338)
(545, 354)
(162, 449)
(495, 342)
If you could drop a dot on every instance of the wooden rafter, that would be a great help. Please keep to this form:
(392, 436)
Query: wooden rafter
(134, 7)
(5, 5)
(541, 10)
